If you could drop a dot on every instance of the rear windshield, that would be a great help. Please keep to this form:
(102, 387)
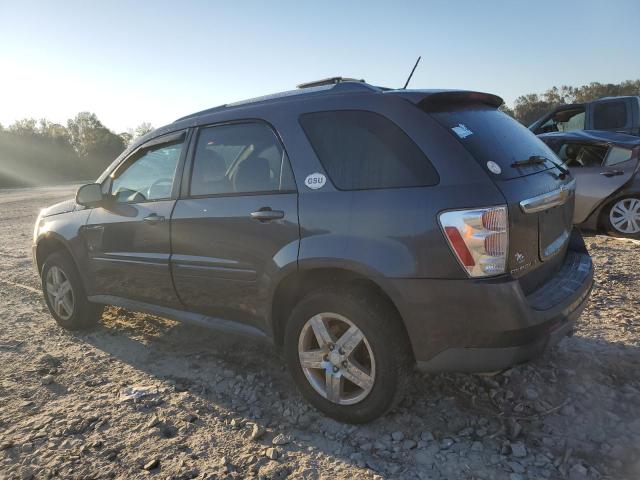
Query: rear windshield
(490, 135)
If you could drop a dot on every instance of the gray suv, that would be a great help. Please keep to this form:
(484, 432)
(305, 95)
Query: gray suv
(362, 230)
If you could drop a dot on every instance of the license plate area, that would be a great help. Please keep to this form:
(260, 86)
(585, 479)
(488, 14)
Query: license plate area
(554, 228)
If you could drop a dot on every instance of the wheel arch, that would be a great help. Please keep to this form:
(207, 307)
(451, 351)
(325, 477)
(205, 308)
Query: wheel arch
(293, 287)
(49, 244)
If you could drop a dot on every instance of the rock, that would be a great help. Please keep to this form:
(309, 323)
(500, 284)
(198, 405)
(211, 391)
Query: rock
(423, 458)
(47, 380)
(477, 446)
(516, 467)
(281, 439)
(635, 426)
(408, 444)
(426, 436)
(518, 450)
(397, 436)
(155, 463)
(271, 453)
(578, 472)
(531, 393)
(446, 443)
(257, 432)
(568, 410)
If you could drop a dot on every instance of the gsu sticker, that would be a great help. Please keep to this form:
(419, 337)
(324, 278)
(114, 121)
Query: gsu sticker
(315, 181)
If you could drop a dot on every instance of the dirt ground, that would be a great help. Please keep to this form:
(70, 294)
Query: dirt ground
(217, 406)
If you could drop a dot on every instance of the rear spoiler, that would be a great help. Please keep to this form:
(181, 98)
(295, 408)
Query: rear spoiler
(433, 100)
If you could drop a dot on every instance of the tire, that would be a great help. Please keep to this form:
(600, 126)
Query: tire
(383, 354)
(72, 311)
(614, 216)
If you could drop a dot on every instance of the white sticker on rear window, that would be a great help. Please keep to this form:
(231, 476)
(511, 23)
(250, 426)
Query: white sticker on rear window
(462, 131)
(315, 181)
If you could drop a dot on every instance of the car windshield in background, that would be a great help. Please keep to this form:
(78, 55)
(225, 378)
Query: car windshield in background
(490, 135)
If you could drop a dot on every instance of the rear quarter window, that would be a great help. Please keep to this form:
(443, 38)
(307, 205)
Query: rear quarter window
(609, 115)
(364, 150)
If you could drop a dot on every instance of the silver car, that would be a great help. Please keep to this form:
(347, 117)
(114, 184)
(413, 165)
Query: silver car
(605, 166)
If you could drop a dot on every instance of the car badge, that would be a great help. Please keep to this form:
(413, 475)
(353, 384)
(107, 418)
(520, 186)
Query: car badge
(519, 257)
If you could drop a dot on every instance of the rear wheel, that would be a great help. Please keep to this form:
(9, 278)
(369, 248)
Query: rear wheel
(347, 354)
(622, 217)
(65, 295)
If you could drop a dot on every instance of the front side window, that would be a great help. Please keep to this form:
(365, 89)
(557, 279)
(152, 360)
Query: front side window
(240, 158)
(364, 150)
(609, 115)
(577, 155)
(149, 176)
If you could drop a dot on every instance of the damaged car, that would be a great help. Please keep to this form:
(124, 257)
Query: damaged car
(605, 166)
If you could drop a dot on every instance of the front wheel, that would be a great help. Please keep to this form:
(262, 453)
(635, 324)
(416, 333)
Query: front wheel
(65, 295)
(347, 354)
(622, 218)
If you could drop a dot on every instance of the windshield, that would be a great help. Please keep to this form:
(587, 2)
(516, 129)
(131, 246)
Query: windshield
(490, 135)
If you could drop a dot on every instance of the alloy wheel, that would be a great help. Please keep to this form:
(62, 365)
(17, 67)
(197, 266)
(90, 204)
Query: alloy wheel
(60, 292)
(336, 358)
(625, 216)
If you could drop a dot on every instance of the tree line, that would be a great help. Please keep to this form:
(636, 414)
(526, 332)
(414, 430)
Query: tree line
(528, 108)
(42, 152)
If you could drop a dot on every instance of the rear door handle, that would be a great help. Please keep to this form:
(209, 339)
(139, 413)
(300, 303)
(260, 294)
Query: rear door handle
(153, 218)
(612, 173)
(265, 214)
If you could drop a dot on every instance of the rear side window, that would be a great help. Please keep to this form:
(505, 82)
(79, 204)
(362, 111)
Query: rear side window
(618, 155)
(490, 135)
(609, 115)
(364, 150)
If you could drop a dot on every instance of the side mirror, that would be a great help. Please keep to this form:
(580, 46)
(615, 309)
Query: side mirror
(90, 195)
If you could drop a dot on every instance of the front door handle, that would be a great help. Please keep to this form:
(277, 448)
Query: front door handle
(153, 218)
(612, 173)
(265, 214)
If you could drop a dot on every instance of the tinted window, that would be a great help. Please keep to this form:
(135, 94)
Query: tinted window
(490, 135)
(240, 158)
(609, 115)
(361, 150)
(149, 176)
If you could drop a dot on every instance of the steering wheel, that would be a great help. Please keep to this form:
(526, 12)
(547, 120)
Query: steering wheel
(157, 183)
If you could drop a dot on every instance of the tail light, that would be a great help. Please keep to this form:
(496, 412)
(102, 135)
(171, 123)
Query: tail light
(479, 238)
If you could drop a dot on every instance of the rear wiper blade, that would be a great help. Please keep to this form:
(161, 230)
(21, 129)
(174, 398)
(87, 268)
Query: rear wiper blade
(532, 160)
(537, 159)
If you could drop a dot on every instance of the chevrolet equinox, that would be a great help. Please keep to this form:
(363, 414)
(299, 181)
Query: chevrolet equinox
(362, 230)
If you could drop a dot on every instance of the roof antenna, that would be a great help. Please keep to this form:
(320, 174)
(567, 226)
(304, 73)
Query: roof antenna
(411, 74)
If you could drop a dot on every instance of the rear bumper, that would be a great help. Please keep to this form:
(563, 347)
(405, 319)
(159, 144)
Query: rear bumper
(483, 326)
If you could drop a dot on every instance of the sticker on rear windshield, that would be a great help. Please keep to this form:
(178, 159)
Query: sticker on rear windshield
(462, 131)
(315, 181)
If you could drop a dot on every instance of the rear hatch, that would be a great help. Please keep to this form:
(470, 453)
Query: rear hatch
(539, 194)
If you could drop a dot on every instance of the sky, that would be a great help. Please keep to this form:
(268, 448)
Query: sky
(154, 61)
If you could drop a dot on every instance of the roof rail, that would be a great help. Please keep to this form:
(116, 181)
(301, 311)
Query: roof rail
(329, 81)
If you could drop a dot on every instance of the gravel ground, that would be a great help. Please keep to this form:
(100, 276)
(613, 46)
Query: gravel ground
(142, 396)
